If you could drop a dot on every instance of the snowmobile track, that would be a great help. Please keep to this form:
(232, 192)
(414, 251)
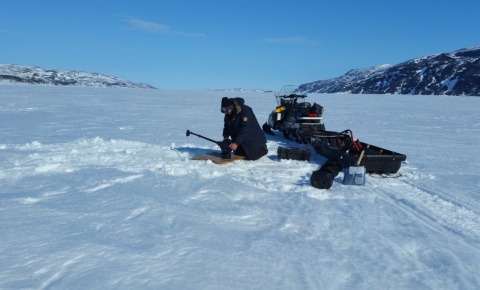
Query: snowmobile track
(435, 212)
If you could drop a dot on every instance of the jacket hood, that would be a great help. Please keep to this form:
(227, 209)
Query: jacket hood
(238, 103)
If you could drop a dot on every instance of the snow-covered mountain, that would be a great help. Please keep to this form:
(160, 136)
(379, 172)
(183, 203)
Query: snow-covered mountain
(454, 73)
(37, 75)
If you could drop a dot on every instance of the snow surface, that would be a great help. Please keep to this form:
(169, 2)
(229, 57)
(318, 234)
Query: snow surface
(98, 192)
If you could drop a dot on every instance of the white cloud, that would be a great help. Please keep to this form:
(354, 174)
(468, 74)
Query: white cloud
(153, 27)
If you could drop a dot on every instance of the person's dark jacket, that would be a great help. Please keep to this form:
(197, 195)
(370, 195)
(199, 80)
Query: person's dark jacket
(242, 126)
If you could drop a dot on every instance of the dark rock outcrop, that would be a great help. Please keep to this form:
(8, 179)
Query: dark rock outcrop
(455, 73)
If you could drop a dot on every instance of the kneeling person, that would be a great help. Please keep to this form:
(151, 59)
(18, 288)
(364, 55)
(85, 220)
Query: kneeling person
(242, 126)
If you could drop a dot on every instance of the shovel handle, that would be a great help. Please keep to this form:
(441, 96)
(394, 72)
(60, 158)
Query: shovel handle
(360, 157)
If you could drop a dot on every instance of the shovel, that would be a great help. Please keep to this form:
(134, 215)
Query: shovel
(355, 175)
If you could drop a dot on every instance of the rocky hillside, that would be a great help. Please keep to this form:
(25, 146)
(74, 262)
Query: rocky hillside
(454, 73)
(39, 76)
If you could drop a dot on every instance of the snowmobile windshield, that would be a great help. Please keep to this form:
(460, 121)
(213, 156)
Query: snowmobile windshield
(289, 94)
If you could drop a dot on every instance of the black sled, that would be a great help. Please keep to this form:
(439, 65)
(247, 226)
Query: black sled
(354, 158)
(344, 147)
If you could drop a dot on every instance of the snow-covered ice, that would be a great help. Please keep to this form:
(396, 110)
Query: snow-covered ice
(97, 191)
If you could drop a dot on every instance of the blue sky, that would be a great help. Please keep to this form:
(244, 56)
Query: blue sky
(195, 44)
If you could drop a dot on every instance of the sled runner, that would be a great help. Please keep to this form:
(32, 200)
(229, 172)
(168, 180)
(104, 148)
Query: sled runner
(216, 158)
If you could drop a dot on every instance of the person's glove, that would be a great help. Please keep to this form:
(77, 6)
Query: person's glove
(233, 146)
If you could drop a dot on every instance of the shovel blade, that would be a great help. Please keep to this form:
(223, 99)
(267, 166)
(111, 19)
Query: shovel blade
(354, 175)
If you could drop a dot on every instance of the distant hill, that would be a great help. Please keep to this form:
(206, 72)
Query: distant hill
(454, 73)
(39, 76)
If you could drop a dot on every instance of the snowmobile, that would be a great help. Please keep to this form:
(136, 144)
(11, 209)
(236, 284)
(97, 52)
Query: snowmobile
(296, 120)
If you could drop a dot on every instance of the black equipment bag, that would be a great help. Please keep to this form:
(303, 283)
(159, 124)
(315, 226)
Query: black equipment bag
(294, 153)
